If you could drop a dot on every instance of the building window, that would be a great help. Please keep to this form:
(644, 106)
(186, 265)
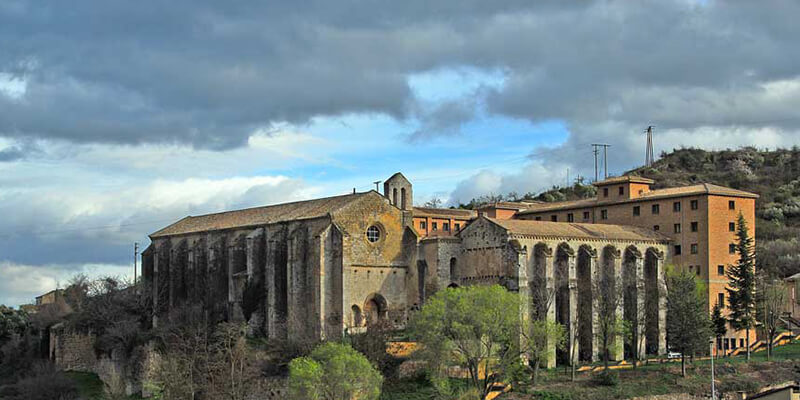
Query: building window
(656, 209)
(637, 211)
(656, 227)
(434, 226)
(694, 204)
(570, 217)
(721, 300)
(373, 234)
(585, 215)
(538, 218)
(676, 206)
(677, 228)
(554, 218)
(605, 192)
(732, 248)
(603, 214)
(731, 205)
(732, 226)
(446, 226)
(694, 226)
(698, 270)
(458, 227)
(694, 248)
(720, 270)
(423, 225)
(622, 190)
(677, 249)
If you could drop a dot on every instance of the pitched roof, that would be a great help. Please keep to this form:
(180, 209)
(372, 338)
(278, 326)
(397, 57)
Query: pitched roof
(443, 212)
(511, 205)
(259, 215)
(692, 190)
(624, 179)
(579, 231)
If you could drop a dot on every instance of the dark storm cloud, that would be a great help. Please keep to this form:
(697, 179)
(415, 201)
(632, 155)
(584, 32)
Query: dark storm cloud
(209, 73)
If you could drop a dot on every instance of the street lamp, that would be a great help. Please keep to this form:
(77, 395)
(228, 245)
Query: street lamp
(711, 348)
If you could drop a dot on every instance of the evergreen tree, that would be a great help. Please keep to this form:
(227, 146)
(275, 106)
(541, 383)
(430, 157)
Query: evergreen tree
(718, 323)
(688, 327)
(742, 282)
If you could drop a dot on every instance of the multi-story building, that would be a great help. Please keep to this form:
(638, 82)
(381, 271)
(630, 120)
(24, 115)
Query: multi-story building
(700, 220)
(440, 221)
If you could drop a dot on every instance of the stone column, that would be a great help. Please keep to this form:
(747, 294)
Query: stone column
(269, 285)
(662, 303)
(617, 351)
(574, 348)
(641, 350)
(594, 274)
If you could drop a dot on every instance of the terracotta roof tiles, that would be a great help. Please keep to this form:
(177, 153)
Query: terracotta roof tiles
(579, 231)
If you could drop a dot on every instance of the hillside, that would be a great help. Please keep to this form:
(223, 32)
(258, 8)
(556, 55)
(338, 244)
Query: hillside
(773, 174)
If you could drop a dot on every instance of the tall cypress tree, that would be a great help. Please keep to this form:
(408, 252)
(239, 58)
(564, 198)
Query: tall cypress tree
(742, 283)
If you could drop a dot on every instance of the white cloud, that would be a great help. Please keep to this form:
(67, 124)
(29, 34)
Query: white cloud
(12, 86)
(20, 284)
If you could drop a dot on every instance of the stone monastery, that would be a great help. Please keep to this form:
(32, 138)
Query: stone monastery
(325, 267)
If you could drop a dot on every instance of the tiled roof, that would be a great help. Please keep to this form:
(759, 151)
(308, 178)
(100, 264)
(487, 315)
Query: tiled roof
(579, 231)
(443, 212)
(259, 215)
(511, 205)
(699, 189)
(624, 179)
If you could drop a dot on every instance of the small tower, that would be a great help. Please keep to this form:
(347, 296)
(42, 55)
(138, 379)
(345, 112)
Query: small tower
(399, 192)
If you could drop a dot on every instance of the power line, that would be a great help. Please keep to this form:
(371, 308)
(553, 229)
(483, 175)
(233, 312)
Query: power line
(649, 159)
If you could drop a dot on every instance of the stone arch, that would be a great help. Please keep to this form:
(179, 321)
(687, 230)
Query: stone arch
(585, 276)
(375, 308)
(632, 303)
(651, 300)
(608, 296)
(358, 317)
(542, 294)
(564, 303)
(453, 286)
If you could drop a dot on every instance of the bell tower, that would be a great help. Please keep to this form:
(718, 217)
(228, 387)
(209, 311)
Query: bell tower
(399, 192)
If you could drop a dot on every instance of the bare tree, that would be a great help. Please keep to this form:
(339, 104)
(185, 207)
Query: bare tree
(771, 300)
(607, 290)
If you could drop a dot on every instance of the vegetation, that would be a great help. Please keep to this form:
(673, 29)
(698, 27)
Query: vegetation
(719, 324)
(688, 327)
(475, 327)
(334, 371)
(741, 289)
(771, 298)
(538, 336)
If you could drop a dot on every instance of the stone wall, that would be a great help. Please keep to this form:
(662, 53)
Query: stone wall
(73, 351)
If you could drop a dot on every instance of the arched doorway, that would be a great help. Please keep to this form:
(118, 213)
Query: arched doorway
(375, 309)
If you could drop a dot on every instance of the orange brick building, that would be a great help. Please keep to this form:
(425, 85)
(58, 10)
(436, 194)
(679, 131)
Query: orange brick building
(440, 221)
(700, 220)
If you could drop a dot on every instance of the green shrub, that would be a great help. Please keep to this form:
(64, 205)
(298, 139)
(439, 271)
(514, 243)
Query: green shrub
(545, 395)
(606, 378)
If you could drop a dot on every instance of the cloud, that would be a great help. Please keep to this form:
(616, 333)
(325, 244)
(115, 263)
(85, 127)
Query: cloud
(210, 74)
(20, 283)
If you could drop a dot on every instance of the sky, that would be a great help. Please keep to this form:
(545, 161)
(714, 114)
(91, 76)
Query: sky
(118, 118)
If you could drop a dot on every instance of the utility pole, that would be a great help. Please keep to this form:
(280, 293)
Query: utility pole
(135, 260)
(597, 147)
(377, 187)
(567, 177)
(649, 159)
(713, 389)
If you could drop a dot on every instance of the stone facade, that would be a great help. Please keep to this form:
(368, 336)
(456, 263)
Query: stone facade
(324, 267)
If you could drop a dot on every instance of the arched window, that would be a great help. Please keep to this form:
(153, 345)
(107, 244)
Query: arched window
(375, 308)
(394, 197)
(403, 198)
(453, 270)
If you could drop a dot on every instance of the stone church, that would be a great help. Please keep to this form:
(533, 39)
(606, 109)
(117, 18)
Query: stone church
(325, 267)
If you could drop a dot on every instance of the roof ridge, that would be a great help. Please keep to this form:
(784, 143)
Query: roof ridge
(275, 205)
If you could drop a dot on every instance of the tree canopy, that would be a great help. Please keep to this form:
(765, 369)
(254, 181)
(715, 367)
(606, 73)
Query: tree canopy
(688, 326)
(476, 327)
(334, 371)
